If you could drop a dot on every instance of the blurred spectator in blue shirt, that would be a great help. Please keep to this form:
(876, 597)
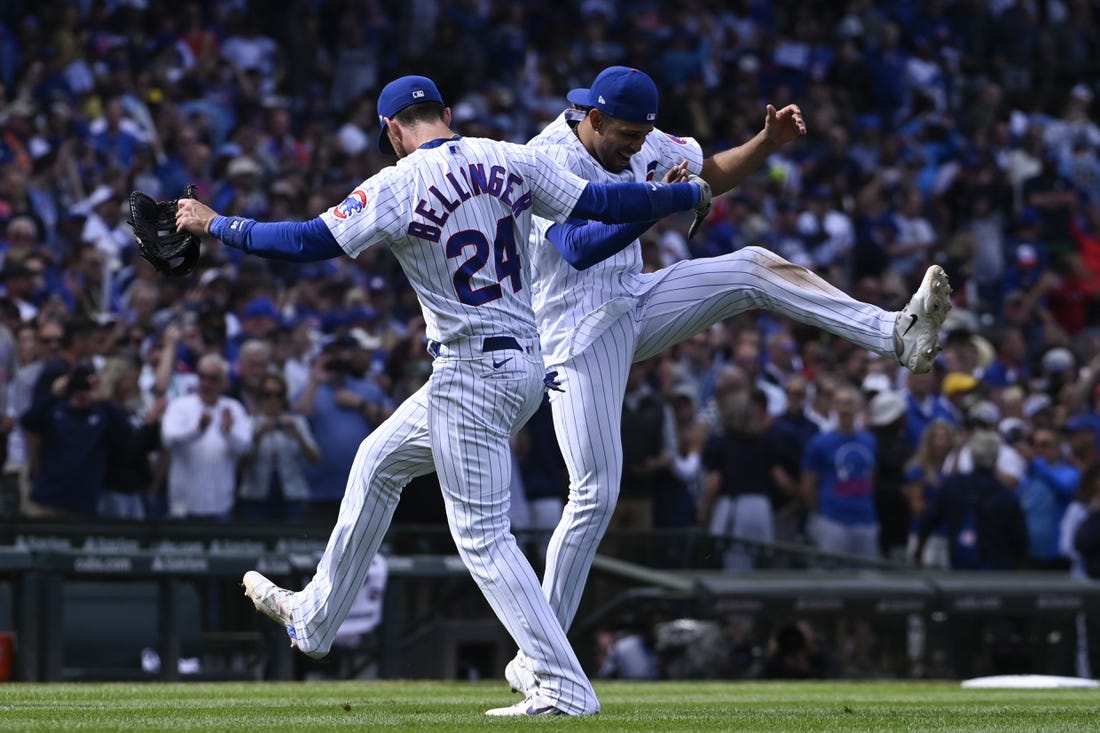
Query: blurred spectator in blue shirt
(111, 138)
(887, 60)
(925, 403)
(838, 482)
(1010, 364)
(342, 410)
(241, 194)
(1045, 491)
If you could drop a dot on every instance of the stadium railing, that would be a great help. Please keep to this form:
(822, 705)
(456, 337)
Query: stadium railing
(435, 623)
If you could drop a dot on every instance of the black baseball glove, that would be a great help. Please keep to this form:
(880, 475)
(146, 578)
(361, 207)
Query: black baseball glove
(172, 252)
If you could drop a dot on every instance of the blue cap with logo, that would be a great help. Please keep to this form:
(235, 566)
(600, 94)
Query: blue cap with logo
(399, 94)
(622, 92)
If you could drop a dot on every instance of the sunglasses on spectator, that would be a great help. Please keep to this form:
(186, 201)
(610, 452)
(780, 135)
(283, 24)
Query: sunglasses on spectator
(210, 376)
(273, 393)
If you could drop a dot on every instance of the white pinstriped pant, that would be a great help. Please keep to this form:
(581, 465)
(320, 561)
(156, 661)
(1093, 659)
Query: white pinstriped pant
(670, 305)
(458, 424)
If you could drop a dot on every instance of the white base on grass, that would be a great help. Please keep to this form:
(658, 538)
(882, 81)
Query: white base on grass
(1029, 682)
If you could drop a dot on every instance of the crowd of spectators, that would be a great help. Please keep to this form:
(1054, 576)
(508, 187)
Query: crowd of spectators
(958, 133)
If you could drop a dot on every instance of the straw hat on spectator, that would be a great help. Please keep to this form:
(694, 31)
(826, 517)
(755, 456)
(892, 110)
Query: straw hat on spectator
(243, 165)
(874, 383)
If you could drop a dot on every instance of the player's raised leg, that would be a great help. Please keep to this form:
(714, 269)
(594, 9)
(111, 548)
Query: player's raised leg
(396, 452)
(691, 295)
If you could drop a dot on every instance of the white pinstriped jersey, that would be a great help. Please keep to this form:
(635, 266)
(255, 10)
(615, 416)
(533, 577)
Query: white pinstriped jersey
(458, 217)
(563, 295)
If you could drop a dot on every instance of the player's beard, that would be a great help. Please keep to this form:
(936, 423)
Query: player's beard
(615, 161)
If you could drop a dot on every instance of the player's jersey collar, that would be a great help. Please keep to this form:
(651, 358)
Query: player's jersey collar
(439, 141)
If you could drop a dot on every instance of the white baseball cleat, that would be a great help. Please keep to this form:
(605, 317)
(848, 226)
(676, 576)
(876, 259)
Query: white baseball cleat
(271, 601)
(533, 705)
(917, 330)
(520, 677)
(267, 597)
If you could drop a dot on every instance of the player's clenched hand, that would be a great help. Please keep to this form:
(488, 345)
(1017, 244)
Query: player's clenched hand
(193, 216)
(677, 173)
(785, 125)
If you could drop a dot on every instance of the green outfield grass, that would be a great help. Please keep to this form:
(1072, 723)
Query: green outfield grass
(695, 707)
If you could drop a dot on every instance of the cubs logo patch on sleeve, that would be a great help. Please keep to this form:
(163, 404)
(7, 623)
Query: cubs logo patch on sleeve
(353, 204)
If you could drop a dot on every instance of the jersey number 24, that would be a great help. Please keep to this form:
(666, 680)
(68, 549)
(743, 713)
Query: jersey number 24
(505, 260)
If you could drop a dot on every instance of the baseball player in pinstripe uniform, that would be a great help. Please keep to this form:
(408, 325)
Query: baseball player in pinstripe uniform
(596, 322)
(457, 214)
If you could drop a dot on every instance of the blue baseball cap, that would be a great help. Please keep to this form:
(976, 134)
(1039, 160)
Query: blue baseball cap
(399, 94)
(622, 92)
(261, 307)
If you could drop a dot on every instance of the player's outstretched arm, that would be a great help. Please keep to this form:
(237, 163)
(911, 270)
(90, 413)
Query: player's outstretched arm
(583, 243)
(618, 203)
(293, 241)
(729, 168)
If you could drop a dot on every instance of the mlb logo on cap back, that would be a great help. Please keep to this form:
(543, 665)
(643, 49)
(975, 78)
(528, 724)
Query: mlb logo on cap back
(622, 92)
(399, 94)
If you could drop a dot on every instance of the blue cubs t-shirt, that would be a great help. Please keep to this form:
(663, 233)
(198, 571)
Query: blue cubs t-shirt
(845, 465)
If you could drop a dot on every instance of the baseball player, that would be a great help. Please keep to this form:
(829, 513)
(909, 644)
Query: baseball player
(595, 323)
(457, 214)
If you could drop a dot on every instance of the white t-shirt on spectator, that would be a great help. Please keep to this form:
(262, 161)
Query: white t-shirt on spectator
(1009, 461)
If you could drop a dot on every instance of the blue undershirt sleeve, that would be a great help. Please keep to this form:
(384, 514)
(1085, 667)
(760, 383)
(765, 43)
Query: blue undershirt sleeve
(293, 241)
(616, 203)
(584, 243)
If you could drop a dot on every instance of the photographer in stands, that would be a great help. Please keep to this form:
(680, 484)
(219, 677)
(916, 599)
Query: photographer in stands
(71, 435)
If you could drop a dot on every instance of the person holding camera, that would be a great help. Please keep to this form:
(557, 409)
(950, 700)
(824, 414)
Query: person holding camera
(273, 486)
(71, 433)
(342, 408)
